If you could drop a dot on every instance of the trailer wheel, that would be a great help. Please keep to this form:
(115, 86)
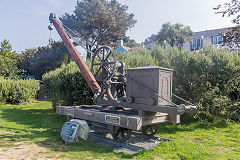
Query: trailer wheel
(69, 118)
(150, 130)
(122, 134)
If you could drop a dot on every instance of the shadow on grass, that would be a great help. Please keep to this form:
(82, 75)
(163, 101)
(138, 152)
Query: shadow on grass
(44, 99)
(41, 126)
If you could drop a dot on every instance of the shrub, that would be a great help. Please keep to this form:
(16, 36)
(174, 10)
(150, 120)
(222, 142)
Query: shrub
(67, 86)
(137, 58)
(17, 91)
(209, 77)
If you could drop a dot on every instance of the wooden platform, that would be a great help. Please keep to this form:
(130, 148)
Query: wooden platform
(130, 119)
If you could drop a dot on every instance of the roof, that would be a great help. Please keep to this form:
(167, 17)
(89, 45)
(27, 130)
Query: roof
(210, 33)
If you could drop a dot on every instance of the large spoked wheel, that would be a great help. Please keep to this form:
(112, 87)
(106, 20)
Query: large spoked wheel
(150, 130)
(103, 63)
(122, 134)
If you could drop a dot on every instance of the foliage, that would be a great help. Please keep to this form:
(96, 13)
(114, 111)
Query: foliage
(233, 87)
(67, 86)
(99, 21)
(17, 91)
(137, 58)
(43, 59)
(129, 42)
(231, 9)
(215, 107)
(150, 39)
(8, 60)
(174, 35)
(208, 77)
(232, 37)
(38, 124)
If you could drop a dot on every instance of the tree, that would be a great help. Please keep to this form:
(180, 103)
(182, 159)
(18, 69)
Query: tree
(43, 59)
(150, 39)
(99, 21)
(174, 35)
(231, 9)
(128, 42)
(8, 60)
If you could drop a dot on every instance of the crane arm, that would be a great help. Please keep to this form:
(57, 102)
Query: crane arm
(88, 76)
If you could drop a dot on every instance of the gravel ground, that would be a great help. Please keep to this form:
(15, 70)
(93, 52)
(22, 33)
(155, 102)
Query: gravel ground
(100, 135)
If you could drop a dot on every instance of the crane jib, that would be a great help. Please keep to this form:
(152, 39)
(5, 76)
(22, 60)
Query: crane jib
(88, 76)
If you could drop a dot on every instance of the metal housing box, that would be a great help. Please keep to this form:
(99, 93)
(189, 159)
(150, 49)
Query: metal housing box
(149, 85)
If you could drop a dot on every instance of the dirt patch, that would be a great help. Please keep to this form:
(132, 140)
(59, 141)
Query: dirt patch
(6, 132)
(26, 152)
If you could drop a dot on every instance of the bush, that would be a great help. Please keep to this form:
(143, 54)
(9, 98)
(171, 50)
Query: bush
(137, 58)
(17, 91)
(209, 77)
(67, 86)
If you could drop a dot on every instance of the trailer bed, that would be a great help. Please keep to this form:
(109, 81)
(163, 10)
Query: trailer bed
(103, 114)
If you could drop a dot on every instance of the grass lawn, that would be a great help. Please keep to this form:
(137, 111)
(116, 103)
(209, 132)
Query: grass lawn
(36, 126)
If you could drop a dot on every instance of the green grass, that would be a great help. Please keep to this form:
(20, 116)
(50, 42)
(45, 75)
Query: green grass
(37, 123)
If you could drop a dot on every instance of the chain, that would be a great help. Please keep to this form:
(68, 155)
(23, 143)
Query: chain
(77, 38)
(50, 41)
(151, 91)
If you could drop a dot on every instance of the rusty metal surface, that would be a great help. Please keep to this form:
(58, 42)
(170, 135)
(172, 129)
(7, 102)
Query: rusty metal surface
(93, 84)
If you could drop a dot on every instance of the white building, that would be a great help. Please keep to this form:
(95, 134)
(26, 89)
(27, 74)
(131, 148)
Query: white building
(201, 39)
(204, 38)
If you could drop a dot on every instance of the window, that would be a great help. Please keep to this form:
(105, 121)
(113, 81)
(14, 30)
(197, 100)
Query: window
(194, 44)
(217, 40)
(197, 43)
(220, 39)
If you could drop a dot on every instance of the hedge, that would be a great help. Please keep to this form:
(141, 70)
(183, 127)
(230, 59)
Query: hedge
(209, 77)
(17, 91)
(67, 86)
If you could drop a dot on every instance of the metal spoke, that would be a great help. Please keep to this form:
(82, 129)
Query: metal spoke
(109, 53)
(122, 134)
(100, 59)
(105, 67)
(96, 64)
(105, 58)
(98, 70)
(103, 54)
(110, 62)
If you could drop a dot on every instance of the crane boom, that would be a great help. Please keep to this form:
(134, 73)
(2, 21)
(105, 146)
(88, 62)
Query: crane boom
(88, 76)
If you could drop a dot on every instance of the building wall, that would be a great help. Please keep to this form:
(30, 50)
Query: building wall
(187, 46)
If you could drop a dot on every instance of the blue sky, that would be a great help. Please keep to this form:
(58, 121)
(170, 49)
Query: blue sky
(24, 22)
